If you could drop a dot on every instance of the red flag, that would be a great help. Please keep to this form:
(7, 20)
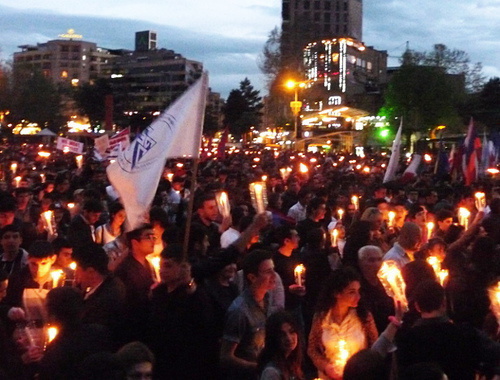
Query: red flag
(221, 148)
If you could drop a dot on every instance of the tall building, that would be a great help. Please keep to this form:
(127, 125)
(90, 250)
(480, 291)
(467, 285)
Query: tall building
(68, 59)
(304, 21)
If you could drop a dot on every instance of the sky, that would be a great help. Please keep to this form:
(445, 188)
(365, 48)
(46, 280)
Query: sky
(228, 35)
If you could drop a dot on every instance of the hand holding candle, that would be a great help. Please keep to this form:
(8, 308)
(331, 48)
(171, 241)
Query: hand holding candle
(56, 277)
(155, 262)
(299, 272)
(480, 198)
(48, 217)
(335, 235)
(258, 194)
(463, 217)
(392, 280)
(355, 202)
(430, 229)
(392, 217)
(79, 161)
(340, 213)
(223, 204)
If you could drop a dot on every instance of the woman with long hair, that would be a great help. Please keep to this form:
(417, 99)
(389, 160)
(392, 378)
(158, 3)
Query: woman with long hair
(108, 232)
(340, 328)
(281, 357)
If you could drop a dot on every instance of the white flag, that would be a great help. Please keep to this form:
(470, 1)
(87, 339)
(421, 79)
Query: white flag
(176, 132)
(390, 172)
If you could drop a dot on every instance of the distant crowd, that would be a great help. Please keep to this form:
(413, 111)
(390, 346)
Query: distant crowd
(291, 293)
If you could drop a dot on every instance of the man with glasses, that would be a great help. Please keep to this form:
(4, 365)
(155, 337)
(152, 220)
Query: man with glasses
(244, 330)
(137, 275)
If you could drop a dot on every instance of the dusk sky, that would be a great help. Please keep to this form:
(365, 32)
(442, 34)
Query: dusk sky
(228, 35)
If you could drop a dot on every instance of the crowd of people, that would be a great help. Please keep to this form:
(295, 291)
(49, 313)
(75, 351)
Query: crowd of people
(289, 293)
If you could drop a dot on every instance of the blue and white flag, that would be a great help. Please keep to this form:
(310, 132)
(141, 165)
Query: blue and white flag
(175, 133)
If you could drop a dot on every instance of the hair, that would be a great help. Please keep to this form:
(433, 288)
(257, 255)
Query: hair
(315, 237)
(8, 204)
(22, 190)
(204, 198)
(134, 353)
(414, 210)
(252, 261)
(429, 295)
(335, 283)
(282, 233)
(41, 249)
(414, 273)
(273, 352)
(93, 205)
(65, 304)
(422, 371)
(174, 252)
(365, 364)
(453, 233)
(237, 215)
(93, 256)
(135, 234)
(443, 214)
(303, 192)
(160, 216)
(114, 208)
(272, 200)
(314, 204)
(197, 234)
(495, 206)
(9, 228)
(59, 243)
(370, 213)
(363, 251)
(409, 235)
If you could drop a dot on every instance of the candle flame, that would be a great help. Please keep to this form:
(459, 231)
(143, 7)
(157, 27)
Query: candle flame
(303, 168)
(392, 280)
(72, 266)
(52, 333)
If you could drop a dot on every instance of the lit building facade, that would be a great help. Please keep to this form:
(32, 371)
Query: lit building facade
(67, 60)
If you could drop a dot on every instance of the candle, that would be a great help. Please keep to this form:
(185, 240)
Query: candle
(392, 280)
(223, 204)
(303, 168)
(430, 228)
(355, 202)
(335, 234)
(392, 216)
(342, 357)
(13, 167)
(264, 178)
(155, 262)
(72, 266)
(442, 276)
(494, 295)
(340, 212)
(170, 176)
(258, 194)
(18, 180)
(463, 217)
(71, 205)
(480, 198)
(56, 276)
(51, 333)
(79, 161)
(42, 176)
(299, 272)
(48, 217)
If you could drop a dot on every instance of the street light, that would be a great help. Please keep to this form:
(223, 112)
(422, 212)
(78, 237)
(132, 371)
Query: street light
(296, 104)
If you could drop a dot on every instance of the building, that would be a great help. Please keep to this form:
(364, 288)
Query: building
(304, 21)
(148, 79)
(68, 60)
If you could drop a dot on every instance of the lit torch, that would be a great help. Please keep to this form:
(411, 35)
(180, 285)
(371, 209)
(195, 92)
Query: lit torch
(223, 204)
(392, 280)
(258, 195)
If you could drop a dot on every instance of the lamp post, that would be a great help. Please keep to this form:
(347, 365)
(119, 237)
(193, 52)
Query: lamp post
(295, 105)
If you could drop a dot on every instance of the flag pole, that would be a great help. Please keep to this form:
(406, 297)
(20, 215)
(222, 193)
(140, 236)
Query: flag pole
(189, 217)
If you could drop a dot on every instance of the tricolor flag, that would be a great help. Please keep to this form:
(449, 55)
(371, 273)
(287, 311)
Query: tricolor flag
(175, 133)
(411, 171)
(471, 155)
(390, 173)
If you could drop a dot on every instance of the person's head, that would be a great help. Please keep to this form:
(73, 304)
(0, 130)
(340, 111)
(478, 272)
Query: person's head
(10, 239)
(117, 213)
(174, 269)
(431, 197)
(417, 214)
(198, 241)
(91, 210)
(91, 267)
(23, 196)
(341, 288)
(429, 297)
(495, 206)
(370, 260)
(379, 192)
(287, 237)
(410, 237)
(64, 251)
(423, 371)
(282, 343)
(258, 269)
(41, 257)
(142, 240)
(4, 282)
(137, 361)
(237, 214)
(366, 364)
(275, 201)
(436, 247)
(316, 209)
(7, 211)
(412, 195)
(207, 208)
(64, 306)
(304, 195)
(374, 216)
(444, 219)
(316, 238)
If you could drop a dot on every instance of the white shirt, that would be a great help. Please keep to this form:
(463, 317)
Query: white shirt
(297, 212)
(229, 236)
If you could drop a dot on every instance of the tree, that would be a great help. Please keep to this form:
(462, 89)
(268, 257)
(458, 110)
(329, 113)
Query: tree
(36, 99)
(243, 109)
(488, 104)
(90, 99)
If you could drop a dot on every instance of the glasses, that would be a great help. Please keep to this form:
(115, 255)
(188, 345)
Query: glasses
(149, 237)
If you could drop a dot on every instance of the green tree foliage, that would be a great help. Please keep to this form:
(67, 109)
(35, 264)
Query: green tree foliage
(487, 109)
(5, 87)
(243, 109)
(90, 100)
(36, 99)
(424, 96)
